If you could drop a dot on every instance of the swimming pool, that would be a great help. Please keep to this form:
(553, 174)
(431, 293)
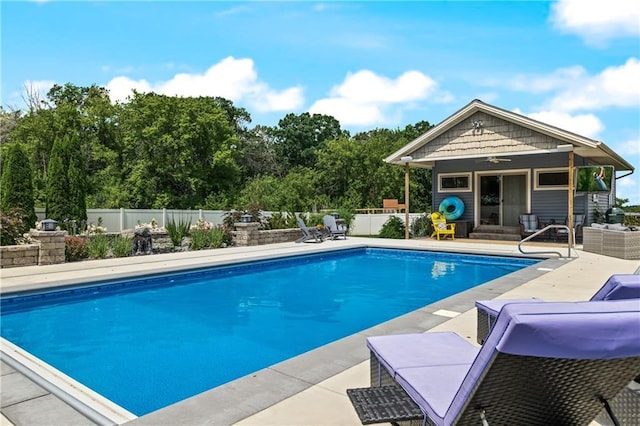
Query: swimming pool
(190, 332)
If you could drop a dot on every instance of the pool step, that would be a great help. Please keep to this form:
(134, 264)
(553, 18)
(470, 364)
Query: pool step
(496, 233)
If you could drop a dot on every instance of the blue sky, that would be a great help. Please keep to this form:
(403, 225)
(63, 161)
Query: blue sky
(571, 63)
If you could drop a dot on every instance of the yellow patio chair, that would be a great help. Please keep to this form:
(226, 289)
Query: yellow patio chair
(441, 227)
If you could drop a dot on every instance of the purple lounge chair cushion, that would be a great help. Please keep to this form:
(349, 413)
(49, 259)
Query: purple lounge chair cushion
(399, 351)
(620, 286)
(578, 330)
(433, 388)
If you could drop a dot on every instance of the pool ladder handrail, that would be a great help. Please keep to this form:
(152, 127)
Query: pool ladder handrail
(570, 239)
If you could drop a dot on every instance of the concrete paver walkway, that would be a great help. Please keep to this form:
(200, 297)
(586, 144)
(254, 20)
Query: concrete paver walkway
(310, 389)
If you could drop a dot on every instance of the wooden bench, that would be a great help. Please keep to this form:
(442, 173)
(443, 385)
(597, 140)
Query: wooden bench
(391, 206)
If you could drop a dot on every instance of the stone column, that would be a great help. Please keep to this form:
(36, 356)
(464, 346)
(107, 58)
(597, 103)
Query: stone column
(51, 246)
(247, 234)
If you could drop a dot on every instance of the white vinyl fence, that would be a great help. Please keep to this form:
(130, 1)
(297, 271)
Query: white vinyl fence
(117, 220)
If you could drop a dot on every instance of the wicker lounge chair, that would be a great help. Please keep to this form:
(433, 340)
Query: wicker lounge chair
(617, 287)
(543, 363)
(333, 228)
(309, 233)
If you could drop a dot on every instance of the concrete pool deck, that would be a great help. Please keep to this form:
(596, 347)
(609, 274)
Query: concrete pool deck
(308, 389)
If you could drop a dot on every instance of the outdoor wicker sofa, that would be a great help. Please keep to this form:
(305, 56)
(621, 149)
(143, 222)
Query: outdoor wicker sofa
(543, 363)
(612, 240)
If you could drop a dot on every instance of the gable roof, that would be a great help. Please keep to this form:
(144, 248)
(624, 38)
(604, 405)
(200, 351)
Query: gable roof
(596, 151)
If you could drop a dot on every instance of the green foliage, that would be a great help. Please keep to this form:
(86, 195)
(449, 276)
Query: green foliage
(176, 151)
(16, 186)
(299, 136)
(75, 248)
(177, 231)
(98, 246)
(421, 226)
(76, 175)
(121, 246)
(279, 220)
(263, 191)
(632, 220)
(315, 219)
(11, 226)
(200, 239)
(298, 190)
(347, 215)
(620, 202)
(392, 228)
(58, 202)
(219, 237)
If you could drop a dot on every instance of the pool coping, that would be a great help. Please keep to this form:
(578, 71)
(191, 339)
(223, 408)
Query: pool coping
(250, 394)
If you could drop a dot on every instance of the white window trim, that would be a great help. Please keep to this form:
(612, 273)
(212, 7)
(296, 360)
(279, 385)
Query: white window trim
(536, 172)
(461, 174)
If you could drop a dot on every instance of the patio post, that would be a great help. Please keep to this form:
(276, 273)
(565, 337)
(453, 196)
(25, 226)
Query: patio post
(570, 234)
(406, 161)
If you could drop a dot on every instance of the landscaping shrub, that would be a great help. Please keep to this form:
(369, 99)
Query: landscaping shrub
(392, 228)
(200, 239)
(121, 246)
(279, 220)
(98, 246)
(11, 226)
(219, 237)
(75, 249)
(16, 186)
(177, 231)
(421, 226)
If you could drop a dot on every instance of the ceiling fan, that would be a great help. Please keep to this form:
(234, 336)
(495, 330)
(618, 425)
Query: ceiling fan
(494, 160)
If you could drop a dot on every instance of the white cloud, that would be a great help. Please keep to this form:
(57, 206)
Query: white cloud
(349, 112)
(613, 87)
(631, 147)
(365, 98)
(583, 124)
(559, 78)
(628, 187)
(575, 89)
(597, 21)
(231, 78)
(120, 88)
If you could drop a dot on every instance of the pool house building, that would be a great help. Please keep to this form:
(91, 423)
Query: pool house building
(493, 165)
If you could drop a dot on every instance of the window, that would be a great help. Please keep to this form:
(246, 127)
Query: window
(551, 179)
(454, 182)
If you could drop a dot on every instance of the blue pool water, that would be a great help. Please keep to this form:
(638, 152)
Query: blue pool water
(147, 343)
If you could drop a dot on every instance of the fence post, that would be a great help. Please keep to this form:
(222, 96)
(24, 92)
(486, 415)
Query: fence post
(164, 218)
(122, 219)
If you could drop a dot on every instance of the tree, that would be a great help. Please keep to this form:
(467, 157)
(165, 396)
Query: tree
(84, 112)
(177, 152)
(76, 175)
(8, 122)
(257, 154)
(58, 203)
(16, 185)
(299, 136)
